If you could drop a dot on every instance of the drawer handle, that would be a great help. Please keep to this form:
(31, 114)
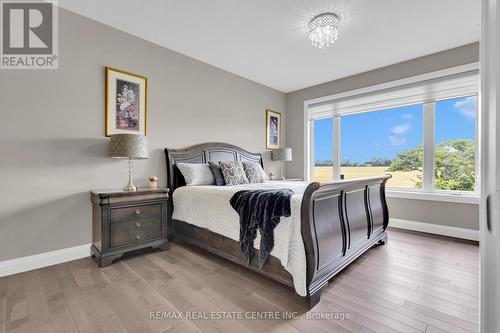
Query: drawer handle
(138, 237)
(137, 224)
(137, 211)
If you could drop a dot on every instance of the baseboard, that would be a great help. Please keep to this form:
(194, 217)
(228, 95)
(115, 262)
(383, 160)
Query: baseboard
(24, 264)
(436, 229)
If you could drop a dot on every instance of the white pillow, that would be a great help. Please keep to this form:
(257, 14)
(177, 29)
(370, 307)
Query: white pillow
(196, 174)
(254, 172)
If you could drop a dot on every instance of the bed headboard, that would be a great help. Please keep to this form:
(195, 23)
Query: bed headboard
(203, 153)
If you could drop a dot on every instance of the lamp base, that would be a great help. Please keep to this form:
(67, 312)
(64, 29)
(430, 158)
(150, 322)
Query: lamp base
(130, 186)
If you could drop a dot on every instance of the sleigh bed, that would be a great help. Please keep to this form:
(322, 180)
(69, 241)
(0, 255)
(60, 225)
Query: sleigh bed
(337, 221)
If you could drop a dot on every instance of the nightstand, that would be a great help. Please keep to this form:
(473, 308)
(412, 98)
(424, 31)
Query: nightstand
(124, 221)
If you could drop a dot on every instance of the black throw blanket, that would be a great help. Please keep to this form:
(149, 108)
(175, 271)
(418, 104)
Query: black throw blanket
(260, 210)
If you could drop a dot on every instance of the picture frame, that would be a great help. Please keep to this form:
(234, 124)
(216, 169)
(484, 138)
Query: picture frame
(126, 103)
(273, 129)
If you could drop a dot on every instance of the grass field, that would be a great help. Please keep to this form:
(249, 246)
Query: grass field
(399, 178)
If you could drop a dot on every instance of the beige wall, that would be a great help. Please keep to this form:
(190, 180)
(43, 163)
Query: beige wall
(53, 150)
(417, 210)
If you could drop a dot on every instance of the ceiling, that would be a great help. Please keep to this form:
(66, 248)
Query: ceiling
(266, 41)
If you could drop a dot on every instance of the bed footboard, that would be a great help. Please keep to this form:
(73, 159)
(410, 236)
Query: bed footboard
(340, 221)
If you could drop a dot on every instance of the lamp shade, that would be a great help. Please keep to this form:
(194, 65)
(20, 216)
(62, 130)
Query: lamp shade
(131, 146)
(282, 154)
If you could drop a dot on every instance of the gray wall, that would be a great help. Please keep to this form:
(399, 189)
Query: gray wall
(417, 210)
(450, 214)
(52, 144)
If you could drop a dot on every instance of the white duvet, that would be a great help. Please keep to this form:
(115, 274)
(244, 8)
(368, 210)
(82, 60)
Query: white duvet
(208, 207)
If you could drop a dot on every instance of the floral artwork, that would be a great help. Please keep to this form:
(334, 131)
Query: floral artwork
(127, 104)
(126, 107)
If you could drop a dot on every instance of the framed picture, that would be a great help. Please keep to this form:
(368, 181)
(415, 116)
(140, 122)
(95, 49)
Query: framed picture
(126, 102)
(273, 129)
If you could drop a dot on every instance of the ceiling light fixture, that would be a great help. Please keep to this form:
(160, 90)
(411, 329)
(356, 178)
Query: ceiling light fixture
(324, 29)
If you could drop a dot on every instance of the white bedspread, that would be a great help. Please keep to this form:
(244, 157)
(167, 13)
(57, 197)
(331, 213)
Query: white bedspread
(208, 207)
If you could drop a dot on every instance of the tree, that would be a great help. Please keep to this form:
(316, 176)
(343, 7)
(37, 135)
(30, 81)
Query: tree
(379, 161)
(323, 163)
(454, 164)
(408, 160)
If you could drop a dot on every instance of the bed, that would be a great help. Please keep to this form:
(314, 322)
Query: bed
(331, 224)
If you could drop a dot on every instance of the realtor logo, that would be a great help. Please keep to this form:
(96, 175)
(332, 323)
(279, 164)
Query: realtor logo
(29, 34)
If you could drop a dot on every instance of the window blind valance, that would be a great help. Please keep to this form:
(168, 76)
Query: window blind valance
(452, 86)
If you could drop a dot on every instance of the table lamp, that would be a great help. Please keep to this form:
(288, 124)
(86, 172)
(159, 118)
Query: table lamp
(131, 146)
(282, 155)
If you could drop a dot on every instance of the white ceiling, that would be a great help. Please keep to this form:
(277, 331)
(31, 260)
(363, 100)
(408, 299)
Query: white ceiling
(266, 41)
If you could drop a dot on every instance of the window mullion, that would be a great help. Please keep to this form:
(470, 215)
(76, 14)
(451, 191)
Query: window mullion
(428, 146)
(312, 156)
(477, 157)
(336, 148)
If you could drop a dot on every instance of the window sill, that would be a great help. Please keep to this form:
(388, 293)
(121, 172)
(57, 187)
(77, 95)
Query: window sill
(434, 196)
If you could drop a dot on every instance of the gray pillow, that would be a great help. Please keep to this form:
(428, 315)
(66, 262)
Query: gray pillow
(219, 177)
(196, 174)
(254, 172)
(233, 172)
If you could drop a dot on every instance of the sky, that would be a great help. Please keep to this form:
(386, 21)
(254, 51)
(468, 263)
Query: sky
(384, 133)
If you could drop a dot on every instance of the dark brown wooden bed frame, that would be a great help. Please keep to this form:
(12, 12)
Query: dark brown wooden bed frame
(339, 221)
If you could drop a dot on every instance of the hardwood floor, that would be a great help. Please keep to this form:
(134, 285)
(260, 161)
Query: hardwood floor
(422, 283)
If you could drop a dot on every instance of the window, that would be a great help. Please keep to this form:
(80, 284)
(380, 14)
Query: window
(455, 144)
(380, 142)
(423, 132)
(323, 150)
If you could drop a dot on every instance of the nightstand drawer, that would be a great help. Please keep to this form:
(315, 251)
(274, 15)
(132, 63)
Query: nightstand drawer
(137, 213)
(130, 232)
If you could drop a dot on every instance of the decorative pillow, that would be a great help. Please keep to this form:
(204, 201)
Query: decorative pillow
(233, 172)
(219, 177)
(196, 174)
(254, 172)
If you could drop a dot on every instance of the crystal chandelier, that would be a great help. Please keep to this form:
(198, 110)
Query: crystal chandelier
(324, 29)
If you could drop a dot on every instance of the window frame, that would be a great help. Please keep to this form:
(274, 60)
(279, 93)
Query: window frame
(428, 190)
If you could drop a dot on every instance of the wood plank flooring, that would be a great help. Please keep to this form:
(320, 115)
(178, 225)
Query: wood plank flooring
(415, 283)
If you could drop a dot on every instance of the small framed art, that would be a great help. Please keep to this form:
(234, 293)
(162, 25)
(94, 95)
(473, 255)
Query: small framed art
(273, 129)
(126, 102)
